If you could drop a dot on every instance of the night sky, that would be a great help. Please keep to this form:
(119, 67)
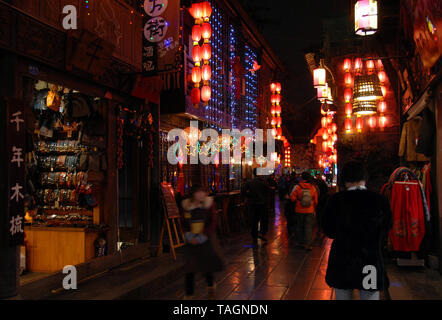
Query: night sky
(291, 27)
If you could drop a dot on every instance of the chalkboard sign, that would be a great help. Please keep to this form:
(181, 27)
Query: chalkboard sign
(170, 206)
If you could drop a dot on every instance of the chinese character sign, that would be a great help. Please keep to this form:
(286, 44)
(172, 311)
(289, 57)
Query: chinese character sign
(15, 144)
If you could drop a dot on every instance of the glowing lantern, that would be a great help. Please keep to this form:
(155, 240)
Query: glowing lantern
(279, 132)
(348, 94)
(274, 132)
(348, 80)
(325, 135)
(278, 87)
(382, 76)
(329, 119)
(347, 65)
(384, 90)
(205, 93)
(358, 65)
(196, 33)
(319, 77)
(278, 109)
(196, 54)
(196, 11)
(382, 121)
(379, 64)
(324, 122)
(372, 122)
(273, 99)
(324, 146)
(370, 65)
(348, 124)
(322, 92)
(196, 75)
(277, 98)
(382, 106)
(206, 31)
(206, 72)
(206, 10)
(348, 109)
(195, 95)
(273, 110)
(334, 127)
(335, 137)
(366, 17)
(273, 87)
(206, 51)
(359, 124)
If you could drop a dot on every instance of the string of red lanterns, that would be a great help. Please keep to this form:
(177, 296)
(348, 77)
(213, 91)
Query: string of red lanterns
(275, 88)
(201, 54)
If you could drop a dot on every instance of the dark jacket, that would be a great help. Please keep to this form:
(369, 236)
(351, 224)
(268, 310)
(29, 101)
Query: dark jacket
(204, 257)
(358, 221)
(256, 191)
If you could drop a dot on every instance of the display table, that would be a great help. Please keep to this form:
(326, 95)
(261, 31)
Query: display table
(50, 249)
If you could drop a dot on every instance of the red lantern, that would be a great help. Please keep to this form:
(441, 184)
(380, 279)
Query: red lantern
(278, 109)
(196, 54)
(205, 93)
(348, 124)
(206, 31)
(348, 109)
(322, 92)
(334, 127)
(324, 122)
(372, 122)
(359, 124)
(348, 94)
(206, 10)
(384, 90)
(273, 87)
(206, 72)
(370, 65)
(277, 98)
(329, 119)
(379, 64)
(382, 121)
(278, 132)
(196, 75)
(196, 33)
(347, 65)
(382, 106)
(273, 99)
(276, 121)
(195, 95)
(196, 11)
(325, 135)
(278, 87)
(358, 65)
(319, 77)
(206, 51)
(382, 76)
(348, 80)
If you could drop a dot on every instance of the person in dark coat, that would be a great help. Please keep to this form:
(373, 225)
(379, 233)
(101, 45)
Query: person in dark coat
(202, 252)
(358, 221)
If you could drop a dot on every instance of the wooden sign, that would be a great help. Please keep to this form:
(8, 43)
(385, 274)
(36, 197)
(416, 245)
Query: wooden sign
(169, 200)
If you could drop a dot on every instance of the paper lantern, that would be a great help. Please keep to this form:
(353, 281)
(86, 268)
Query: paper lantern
(278, 87)
(348, 94)
(334, 127)
(324, 146)
(335, 137)
(196, 11)
(348, 109)
(206, 31)
(205, 93)
(367, 88)
(196, 54)
(382, 121)
(359, 124)
(358, 65)
(324, 122)
(329, 119)
(322, 92)
(279, 132)
(319, 77)
(196, 33)
(366, 17)
(348, 79)
(195, 95)
(370, 65)
(325, 135)
(382, 106)
(206, 10)
(196, 75)
(384, 90)
(277, 98)
(382, 76)
(379, 64)
(348, 124)
(206, 51)
(278, 109)
(206, 72)
(371, 122)
(347, 65)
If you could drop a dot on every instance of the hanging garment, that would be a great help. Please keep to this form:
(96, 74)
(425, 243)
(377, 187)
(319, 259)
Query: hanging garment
(408, 217)
(409, 141)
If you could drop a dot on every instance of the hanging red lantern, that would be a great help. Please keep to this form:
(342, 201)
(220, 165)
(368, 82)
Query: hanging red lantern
(324, 146)
(206, 10)
(335, 137)
(278, 87)
(319, 76)
(206, 72)
(325, 135)
(382, 121)
(278, 109)
(379, 64)
(196, 54)
(359, 124)
(273, 87)
(324, 122)
(277, 98)
(205, 93)
(273, 99)
(278, 121)
(195, 95)
(196, 75)
(206, 51)
(348, 109)
(348, 94)
(348, 80)
(358, 65)
(382, 106)
(347, 65)
(196, 33)
(196, 11)
(334, 127)
(372, 122)
(382, 76)
(279, 132)
(384, 91)
(206, 31)
(322, 92)
(329, 119)
(370, 66)
(348, 124)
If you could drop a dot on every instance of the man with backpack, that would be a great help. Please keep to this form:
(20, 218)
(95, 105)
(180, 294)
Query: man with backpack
(306, 198)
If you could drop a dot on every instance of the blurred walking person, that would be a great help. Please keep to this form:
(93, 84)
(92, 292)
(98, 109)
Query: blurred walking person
(202, 252)
(306, 198)
(358, 221)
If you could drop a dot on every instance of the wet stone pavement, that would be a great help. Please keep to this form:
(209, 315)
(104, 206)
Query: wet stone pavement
(265, 271)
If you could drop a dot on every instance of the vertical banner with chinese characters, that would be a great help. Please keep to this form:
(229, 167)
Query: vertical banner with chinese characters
(161, 40)
(15, 150)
